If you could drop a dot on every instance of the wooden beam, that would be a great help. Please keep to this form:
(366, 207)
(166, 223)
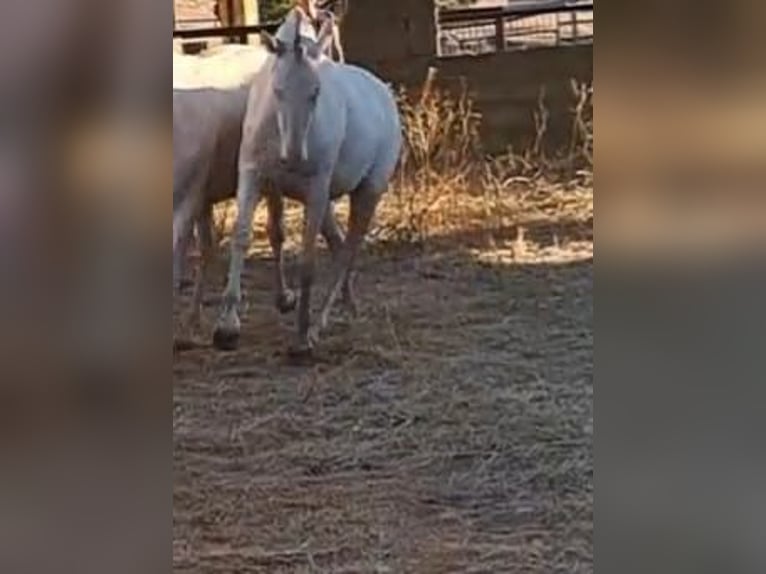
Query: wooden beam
(500, 34)
(246, 14)
(228, 32)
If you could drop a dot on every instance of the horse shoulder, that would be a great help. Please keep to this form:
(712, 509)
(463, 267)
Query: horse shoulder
(369, 102)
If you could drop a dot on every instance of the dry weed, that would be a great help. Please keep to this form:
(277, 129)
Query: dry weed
(446, 186)
(446, 183)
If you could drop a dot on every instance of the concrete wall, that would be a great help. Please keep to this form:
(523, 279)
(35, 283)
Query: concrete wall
(394, 38)
(506, 88)
(380, 30)
(397, 40)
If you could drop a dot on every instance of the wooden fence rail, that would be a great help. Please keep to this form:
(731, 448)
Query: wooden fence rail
(239, 32)
(498, 28)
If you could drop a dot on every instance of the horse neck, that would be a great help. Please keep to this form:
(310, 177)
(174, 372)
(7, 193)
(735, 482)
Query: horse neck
(286, 32)
(332, 99)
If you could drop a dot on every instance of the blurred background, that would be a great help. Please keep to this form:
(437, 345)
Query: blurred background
(86, 403)
(681, 227)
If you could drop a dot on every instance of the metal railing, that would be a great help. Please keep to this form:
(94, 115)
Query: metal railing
(239, 32)
(467, 30)
(504, 28)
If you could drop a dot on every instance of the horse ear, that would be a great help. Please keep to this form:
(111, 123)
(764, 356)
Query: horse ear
(325, 39)
(273, 45)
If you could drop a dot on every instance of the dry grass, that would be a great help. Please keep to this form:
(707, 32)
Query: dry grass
(446, 185)
(449, 427)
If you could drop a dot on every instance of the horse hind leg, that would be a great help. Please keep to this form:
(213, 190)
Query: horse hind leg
(183, 224)
(364, 202)
(206, 242)
(180, 279)
(334, 237)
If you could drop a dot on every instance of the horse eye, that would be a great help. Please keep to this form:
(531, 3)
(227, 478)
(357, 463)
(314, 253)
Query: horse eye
(314, 96)
(279, 92)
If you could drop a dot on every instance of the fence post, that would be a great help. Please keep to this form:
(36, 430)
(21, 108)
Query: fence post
(574, 27)
(239, 13)
(500, 34)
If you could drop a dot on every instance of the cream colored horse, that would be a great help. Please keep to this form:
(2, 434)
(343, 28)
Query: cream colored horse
(314, 130)
(209, 102)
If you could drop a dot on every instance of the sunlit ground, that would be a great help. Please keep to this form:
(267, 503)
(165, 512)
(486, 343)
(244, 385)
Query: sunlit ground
(447, 428)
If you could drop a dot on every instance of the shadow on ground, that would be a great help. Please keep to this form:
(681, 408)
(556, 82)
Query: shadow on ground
(448, 429)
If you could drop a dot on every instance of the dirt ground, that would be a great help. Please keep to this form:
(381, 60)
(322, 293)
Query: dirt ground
(448, 429)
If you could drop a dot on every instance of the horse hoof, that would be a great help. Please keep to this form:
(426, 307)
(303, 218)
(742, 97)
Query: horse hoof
(182, 345)
(286, 302)
(300, 352)
(225, 340)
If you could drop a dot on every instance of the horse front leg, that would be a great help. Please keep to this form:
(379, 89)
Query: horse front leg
(183, 224)
(227, 330)
(316, 206)
(285, 300)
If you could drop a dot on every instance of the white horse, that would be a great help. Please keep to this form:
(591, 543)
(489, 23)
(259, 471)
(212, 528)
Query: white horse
(209, 102)
(314, 130)
(210, 94)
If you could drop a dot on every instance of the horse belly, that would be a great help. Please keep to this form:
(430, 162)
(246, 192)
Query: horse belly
(356, 159)
(346, 178)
